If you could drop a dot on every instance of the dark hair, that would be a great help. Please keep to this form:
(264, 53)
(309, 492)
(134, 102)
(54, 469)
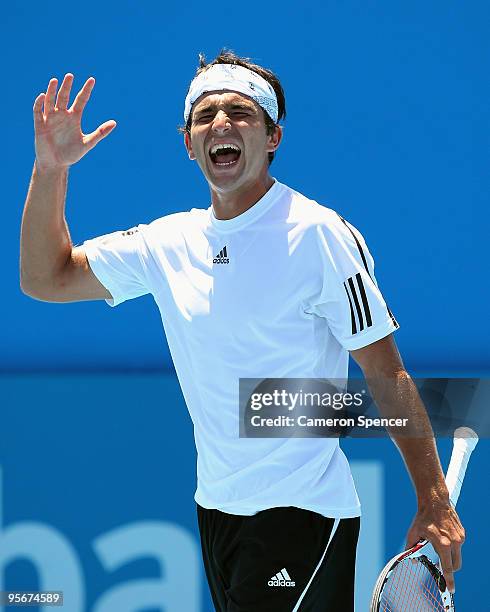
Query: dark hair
(226, 56)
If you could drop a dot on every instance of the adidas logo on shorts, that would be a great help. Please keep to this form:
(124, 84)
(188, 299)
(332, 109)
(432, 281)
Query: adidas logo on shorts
(281, 579)
(222, 257)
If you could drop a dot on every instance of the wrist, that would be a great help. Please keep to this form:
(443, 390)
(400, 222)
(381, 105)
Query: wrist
(42, 170)
(435, 495)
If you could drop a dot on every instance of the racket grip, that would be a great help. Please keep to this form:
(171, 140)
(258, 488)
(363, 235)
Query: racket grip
(465, 440)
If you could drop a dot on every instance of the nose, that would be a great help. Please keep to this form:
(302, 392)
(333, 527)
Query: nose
(221, 123)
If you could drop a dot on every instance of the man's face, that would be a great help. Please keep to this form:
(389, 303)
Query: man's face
(230, 118)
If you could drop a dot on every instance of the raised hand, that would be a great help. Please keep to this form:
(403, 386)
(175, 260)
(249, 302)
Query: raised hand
(59, 140)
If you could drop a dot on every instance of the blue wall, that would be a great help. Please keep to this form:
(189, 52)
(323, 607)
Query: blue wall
(385, 124)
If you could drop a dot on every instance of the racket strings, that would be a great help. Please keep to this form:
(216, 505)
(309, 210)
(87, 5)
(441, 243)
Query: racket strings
(411, 586)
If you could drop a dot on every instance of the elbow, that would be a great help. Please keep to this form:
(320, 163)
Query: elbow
(26, 286)
(380, 359)
(37, 290)
(30, 290)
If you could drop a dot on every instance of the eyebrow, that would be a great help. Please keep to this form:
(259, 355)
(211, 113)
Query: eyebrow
(235, 106)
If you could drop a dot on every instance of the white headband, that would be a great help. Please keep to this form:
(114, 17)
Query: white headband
(234, 78)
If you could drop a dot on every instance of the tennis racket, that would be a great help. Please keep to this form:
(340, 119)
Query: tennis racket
(413, 581)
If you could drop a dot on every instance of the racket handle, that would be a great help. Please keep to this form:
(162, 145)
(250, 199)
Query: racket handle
(465, 440)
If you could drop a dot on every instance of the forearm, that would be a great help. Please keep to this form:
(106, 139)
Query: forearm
(45, 240)
(397, 395)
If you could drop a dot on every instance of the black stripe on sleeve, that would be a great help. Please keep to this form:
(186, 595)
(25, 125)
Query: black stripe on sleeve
(395, 322)
(356, 302)
(361, 252)
(352, 317)
(367, 311)
(363, 257)
(224, 252)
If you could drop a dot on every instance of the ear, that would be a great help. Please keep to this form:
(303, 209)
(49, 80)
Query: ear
(188, 145)
(274, 139)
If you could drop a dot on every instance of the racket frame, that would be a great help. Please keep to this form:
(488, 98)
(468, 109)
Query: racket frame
(465, 440)
(422, 548)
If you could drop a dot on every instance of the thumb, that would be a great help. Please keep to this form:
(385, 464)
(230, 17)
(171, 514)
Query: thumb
(413, 537)
(90, 140)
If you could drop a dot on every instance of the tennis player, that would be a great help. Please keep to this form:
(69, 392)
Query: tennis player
(263, 283)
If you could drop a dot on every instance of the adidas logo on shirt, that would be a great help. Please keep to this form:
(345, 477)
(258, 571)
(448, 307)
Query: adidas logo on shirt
(281, 579)
(222, 257)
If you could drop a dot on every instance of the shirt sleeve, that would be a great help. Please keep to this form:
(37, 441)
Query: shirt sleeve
(119, 261)
(350, 299)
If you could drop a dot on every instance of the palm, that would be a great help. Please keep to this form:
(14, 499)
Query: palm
(59, 139)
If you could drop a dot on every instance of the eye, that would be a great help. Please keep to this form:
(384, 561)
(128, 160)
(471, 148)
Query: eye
(204, 118)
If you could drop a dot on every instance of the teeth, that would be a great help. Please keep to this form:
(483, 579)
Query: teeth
(217, 147)
(225, 163)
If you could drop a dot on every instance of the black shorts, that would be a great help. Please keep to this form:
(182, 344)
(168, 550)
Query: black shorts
(279, 560)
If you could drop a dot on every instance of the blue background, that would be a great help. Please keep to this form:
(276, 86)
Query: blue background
(385, 124)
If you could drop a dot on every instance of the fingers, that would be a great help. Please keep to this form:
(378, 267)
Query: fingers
(49, 99)
(413, 537)
(457, 537)
(90, 140)
(83, 96)
(64, 92)
(449, 551)
(456, 556)
(37, 110)
(444, 552)
(457, 542)
(63, 96)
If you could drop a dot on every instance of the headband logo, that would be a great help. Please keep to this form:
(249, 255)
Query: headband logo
(232, 77)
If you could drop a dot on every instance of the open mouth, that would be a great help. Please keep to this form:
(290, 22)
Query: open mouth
(226, 154)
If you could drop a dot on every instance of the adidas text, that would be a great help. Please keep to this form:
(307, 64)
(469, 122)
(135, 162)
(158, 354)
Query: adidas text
(281, 583)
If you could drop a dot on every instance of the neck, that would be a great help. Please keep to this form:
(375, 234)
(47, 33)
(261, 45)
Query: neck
(230, 204)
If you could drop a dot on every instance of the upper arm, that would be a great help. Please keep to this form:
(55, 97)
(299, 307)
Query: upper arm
(76, 282)
(113, 267)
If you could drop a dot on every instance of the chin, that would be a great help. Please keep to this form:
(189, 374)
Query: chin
(225, 184)
(225, 181)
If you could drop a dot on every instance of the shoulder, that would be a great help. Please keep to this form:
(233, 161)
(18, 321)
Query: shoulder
(178, 220)
(142, 235)
(318, 220)
(172, 227)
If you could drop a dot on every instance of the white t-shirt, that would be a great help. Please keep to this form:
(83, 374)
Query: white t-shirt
(285, 289)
